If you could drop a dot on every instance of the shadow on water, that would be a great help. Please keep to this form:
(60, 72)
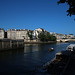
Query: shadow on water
(30, 60)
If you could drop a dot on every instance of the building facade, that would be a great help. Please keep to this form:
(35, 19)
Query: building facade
(60, 36)
(2, 33)
(36, 32)
(70, 36)
(17, 34)
(23, 34)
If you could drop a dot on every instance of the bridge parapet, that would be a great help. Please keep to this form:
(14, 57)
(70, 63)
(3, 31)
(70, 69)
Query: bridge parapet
(65, 40)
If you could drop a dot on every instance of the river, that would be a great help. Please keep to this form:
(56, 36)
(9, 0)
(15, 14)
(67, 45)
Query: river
(30, 60)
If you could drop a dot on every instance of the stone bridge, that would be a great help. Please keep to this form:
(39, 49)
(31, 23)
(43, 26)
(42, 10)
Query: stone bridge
(65, 40)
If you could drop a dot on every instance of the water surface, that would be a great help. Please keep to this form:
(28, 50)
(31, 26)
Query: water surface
(30, 60)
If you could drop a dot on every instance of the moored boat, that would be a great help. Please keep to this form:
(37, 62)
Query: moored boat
(51, 49)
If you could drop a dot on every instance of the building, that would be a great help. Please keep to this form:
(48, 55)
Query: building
(53, 33)
(70, 36)
(33, 34)
(2, 33)
(61, 36)
(17, 34)
(36, 32)
(40, 29)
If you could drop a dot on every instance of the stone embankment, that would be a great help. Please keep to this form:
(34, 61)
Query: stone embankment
(8, 44)
(65, 40)
(37, 42)
(60, 63)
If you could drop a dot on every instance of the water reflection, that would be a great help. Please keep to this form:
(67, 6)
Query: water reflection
(10, 53)
(31, 47)
(30, 60)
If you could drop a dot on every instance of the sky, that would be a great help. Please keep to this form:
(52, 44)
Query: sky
(33, 14)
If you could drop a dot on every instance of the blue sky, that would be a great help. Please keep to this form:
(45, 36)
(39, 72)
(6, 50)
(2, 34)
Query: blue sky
(32, 14)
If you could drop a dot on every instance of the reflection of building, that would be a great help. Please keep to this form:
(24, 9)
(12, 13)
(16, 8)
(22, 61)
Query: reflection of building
(17, 34)
(31, 48)
(2, 33)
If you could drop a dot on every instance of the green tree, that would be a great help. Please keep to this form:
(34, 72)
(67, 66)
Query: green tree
(52, 38)
(30, 34)
(43, 36)
(71, 3)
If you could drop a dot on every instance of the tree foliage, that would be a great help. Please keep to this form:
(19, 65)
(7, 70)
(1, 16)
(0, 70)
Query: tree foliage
(71, 3)
(46, 37)
(30, 34)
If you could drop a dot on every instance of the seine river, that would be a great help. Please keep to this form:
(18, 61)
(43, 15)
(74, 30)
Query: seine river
(30, 60)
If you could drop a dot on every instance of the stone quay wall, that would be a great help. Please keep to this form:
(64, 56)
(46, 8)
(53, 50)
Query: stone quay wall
(6, 44)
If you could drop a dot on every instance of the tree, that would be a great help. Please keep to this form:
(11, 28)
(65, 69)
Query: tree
(41, 36)
(30, 34)
(52, 38)
(44, 36)
(71, 3)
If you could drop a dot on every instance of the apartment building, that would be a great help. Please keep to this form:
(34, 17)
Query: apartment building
(36, 32)
(2, 33)
(17, 34)
(70, 36)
